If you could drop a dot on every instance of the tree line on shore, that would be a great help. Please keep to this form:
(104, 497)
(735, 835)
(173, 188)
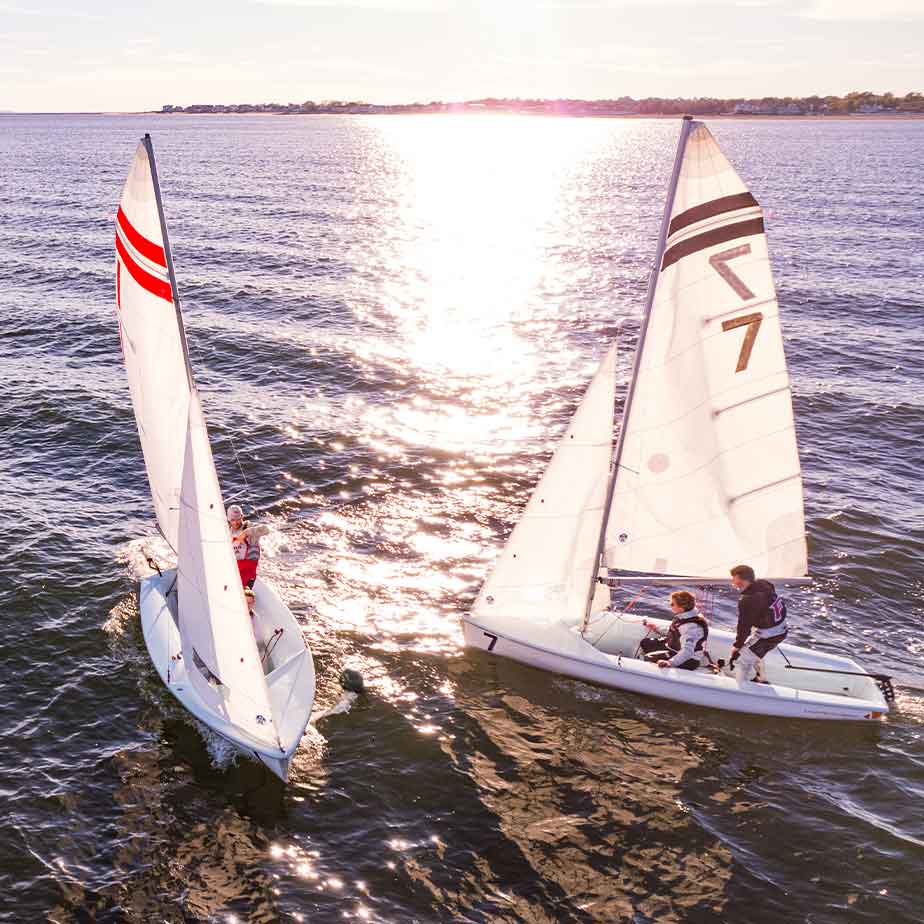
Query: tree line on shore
(858, 102)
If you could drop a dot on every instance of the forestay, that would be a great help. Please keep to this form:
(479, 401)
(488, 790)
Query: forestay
(151, 341)
(549, 561)
(708, 474)
(215, 627)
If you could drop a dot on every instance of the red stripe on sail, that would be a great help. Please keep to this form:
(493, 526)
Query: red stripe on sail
(154, 252)
(144, 279)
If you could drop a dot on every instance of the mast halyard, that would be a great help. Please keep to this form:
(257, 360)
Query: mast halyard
(168, 253)
(643, 330)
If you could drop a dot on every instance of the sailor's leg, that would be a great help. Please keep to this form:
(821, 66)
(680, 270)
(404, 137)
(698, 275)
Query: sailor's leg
(248, 571)
(746, 664)
(691, 664)
(760, 649)
(651, 644)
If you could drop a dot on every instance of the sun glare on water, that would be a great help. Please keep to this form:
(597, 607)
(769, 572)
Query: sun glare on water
(476, 199)
(463, 301)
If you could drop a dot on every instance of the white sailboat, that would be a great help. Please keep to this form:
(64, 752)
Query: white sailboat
(704, 476)
(251, 680)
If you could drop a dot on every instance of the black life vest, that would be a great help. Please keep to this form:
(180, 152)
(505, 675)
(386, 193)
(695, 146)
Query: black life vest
(673, 633)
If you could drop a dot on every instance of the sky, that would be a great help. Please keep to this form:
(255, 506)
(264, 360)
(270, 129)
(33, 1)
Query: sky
(135, 56)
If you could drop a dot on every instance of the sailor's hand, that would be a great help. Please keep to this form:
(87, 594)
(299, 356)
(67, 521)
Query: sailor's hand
(664, 663)
(648, 625)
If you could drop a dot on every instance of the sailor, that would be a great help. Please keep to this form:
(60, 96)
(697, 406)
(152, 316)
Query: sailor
(684, 643)
(245, 540)
(761, 623)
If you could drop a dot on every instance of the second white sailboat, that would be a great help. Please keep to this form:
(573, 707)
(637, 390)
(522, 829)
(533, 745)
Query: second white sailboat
(704, 476)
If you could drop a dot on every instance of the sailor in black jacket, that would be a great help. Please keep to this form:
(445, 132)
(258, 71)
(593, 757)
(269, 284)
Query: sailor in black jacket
(761, 623)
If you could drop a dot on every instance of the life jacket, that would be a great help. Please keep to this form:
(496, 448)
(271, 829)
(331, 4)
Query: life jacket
(245, 550)
(672, 640)
(774, 613)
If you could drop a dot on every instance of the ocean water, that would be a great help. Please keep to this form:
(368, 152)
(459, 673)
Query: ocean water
(391, 320)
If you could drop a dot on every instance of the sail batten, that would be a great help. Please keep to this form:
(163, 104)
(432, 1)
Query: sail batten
(708, 473)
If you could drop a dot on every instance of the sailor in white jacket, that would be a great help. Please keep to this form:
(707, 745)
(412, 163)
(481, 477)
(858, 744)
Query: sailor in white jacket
(685, 641)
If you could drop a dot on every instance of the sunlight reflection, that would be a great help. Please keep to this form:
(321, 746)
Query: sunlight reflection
(473, 283)
(473, 338)
(477, 198)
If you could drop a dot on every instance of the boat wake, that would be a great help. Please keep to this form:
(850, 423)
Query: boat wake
(909, 706)
(222, 752)
(136, 553)
(343, 705)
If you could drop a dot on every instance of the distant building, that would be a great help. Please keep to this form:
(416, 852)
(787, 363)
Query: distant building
(750, 107)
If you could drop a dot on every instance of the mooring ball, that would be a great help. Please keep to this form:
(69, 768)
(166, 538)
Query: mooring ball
(352, 681)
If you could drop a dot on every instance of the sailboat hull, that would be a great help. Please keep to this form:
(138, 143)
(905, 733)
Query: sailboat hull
(561, 649)
(289, 669)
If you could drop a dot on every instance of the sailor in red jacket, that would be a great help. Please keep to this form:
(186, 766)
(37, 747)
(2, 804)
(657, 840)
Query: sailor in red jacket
(761, 623)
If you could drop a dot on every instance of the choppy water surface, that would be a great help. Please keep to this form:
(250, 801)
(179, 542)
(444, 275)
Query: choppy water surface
(391, 320)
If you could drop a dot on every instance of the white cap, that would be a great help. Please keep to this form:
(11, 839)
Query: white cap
(235, 512)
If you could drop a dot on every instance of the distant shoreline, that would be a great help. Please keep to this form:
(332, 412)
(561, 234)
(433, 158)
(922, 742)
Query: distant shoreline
(728, 116)
(851, 105)
(739, 116)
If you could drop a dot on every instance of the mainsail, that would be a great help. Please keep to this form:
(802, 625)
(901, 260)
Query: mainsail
(549, 561)
(708, 471)
(218, 644)
(151, 340)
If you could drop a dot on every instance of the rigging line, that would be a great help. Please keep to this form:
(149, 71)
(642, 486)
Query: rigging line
(883, 681)
(271, 645)
(197, 355)
(168, 253)
(831, 670)
(240, 467)
(617, 616)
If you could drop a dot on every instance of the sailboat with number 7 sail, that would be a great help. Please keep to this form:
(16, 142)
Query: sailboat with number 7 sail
(704, 476)
(248, 676)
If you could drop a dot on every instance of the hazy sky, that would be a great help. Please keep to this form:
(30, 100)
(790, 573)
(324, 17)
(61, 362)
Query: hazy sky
(131, 56)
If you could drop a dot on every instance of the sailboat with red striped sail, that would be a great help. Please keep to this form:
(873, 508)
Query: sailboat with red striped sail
(704, 476)
(249, 678)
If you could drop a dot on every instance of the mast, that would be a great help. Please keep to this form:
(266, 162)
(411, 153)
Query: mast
(168, 253)
(685, 129)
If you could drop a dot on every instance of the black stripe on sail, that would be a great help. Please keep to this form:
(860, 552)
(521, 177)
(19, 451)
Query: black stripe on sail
(711, 238)
(710, 210)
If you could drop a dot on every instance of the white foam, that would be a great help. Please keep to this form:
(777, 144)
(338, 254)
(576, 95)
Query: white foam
(343, 705)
